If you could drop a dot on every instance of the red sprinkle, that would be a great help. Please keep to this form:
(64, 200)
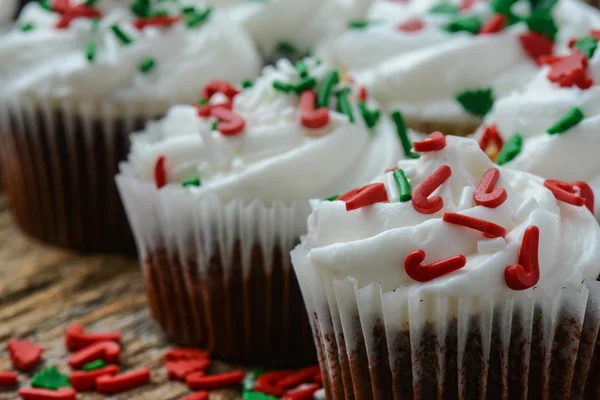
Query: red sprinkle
(486, 227)
(219, 86)
(184, 353)
(305, 375)
(526, 273)
(391, 169)
(8, 379)
(435, 141)
(571, 71)
(124, 382)
(160, 21)
(304, 392)
(466, 4)
(576, 193)
(495, 24)
(412, 25)
(311, 117)
(202, 395)
(76, 337)
(364, 196)
(267, 383)
(182, 368)
(420, 197)
(86, 380)
(536, 45)
(24, 355)
(205, 111)
(69, 13)
(198, 381)
(491, 135)
(571, 42)
(160, 173)
(549, 60)
(486, 194)
(108, 351)
(595, 33)
(362, 93)
(45, 394)
(230, 123)
(426, 273)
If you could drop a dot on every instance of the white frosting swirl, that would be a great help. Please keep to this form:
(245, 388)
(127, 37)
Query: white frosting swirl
(370, 244)
(275, 157)
(422, 72)
(50, 62)
(570, 156)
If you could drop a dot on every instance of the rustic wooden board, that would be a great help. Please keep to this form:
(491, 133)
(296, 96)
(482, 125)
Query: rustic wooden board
(43, 289)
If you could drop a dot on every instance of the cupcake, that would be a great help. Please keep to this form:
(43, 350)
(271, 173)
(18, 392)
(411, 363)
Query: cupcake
(76, 80)
(551, 128)
(453, 278)
(445, 63)
(217, 196)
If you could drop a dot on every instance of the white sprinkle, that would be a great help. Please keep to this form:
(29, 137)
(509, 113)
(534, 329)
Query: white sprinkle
(409, 171)
(392, 188)
(491, 245)
(466, 198)
(284, 65)
(111, 47)
(320, 394)
(213, 149)
(218, 98)
(524, 210)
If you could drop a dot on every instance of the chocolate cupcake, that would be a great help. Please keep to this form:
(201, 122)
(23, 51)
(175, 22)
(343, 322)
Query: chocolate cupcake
(444, 63)
(451, 278)
(77, 79)
(217, 196)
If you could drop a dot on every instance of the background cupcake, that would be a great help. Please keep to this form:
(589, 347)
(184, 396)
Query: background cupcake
(472, 292)
(445, 63)
(551, 128)
(77, 79)
(218, 196)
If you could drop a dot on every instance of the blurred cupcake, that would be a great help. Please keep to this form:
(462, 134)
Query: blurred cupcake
(551, 128)
(484, 289)
(217, 196)
(445, 63)
(77, 79)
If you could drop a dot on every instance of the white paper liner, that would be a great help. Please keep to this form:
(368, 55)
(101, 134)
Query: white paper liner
(219, 274)
(59, 158)
(401, 346)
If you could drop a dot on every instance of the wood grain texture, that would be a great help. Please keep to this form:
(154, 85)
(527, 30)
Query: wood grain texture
(44, 289)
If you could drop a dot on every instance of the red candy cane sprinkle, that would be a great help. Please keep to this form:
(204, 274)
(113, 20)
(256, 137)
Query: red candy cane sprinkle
(312, 117)
(364, 196)
(435, 142)
(495, 24)
(198, 381)
(536, 45)
(426, 273)
(201, 395)
(491, 136)
(184, 353)
(363, 94)
(158, 21)
(182, 368)
(124, 382)
(576, 193)
(486, 194)
(46, 394)
(230, 123)
(8, 378)
(526, 273)
(160, 172)
(206, 110)
(488, 228)
(219, 86)
(305, 375)
(86, 380)
(420, 197)
(69, 13)
(76, 338)
(412, 25)
(304, 392)
(571, 71)
(108, 351)
(24, 355)
(267, 383)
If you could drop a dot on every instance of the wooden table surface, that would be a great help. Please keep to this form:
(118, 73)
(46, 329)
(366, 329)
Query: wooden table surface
(44, 289)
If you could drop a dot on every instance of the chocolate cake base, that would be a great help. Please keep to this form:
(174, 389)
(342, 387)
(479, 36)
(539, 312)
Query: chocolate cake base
(259, 318)
(59, 173)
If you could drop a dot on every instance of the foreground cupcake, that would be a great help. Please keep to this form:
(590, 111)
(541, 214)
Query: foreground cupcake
(76, 80)
(444, 63)
(451, 278)
(218, 196)
(551, 128)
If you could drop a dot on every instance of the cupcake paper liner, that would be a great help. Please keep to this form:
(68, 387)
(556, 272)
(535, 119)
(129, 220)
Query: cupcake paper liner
(59, 159)
(218, 275)
(375, 345)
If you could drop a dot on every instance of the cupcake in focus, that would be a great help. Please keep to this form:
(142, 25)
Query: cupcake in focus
(445, 63)
(77, 79)
(551, 128)
(450, 277)
(218, 195)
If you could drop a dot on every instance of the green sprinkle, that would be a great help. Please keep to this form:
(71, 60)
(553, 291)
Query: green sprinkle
(141, 8)
(90, 3)
(504, 7)
(358, 24)
(304, 84)
(282, 86)
(249, 395)
(90, 51)
(587, 45)
(94, 365)
(546, 5)
(160, 13)
(27, 26)
(444, 8)
(344, 103)
(286, 48)
(511, 149)
(403, 134)
(247, 83)
(191, 182)
(572, 118)
(250, 380)
(50, 378)
(371, 117)
(197, 18)
(45, 4)
(203, 101)
(543, 23)
(331, 79)
(332, 198)
(403, 186)
(146, 65)
(302, 69)
(122, 36)
(477, 102)
(469, 24)
(213, 125)
(188, 10)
